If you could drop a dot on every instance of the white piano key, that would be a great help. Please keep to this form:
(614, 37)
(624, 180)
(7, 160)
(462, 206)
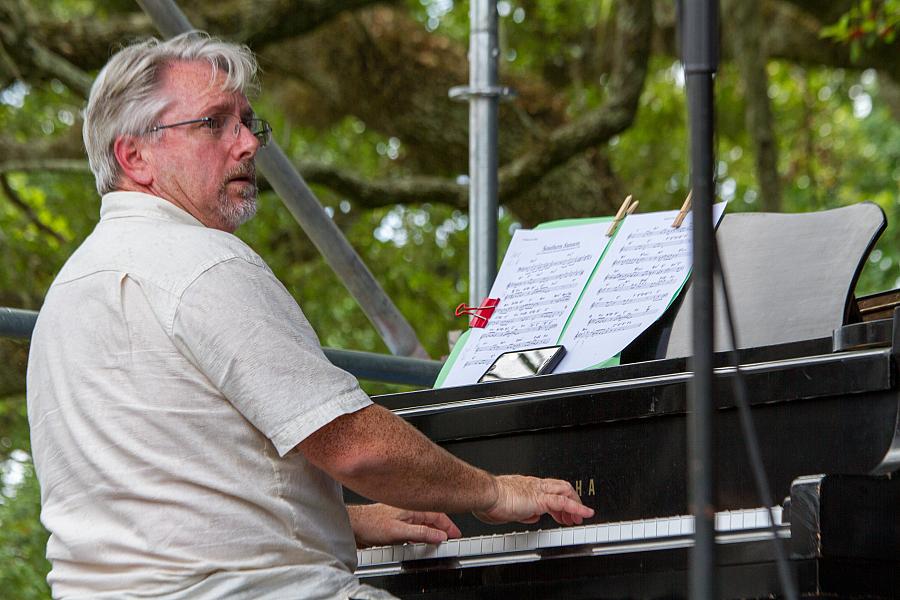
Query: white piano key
(603, 534)
(534, 538)
(626, 530)
(485, 545)
(637, 530)
(465, 546)
(687, 525)
(567, 537)
(778, 515)
(650, 529)
(578, 535)
(615, 533)
(520, 540)
(759, 519)
(722, 521)
(555, 538)
(544, 539)
(590, 534)
(664, 529)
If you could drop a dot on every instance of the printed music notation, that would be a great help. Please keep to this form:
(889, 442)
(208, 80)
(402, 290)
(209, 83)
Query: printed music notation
(644, 268)
(540, 280)
(555, 289)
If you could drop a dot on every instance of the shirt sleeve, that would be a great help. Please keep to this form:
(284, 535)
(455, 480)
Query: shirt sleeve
(239, 326)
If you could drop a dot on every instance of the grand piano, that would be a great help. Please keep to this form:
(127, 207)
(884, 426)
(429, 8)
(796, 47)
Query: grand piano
(827, 414)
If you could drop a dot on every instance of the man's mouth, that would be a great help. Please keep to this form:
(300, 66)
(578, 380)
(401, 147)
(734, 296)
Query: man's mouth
(249, 179)
(244, 174)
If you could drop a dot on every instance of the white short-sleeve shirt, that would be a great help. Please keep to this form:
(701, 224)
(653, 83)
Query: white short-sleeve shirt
(170, 377)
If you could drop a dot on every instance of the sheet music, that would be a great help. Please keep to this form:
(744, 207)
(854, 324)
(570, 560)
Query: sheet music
(646, 264)
(540, 280)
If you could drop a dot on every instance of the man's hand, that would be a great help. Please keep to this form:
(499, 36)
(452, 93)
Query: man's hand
(525, 499)
(380, 524)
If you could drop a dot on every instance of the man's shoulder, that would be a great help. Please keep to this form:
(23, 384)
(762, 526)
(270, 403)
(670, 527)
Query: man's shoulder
(167, 255)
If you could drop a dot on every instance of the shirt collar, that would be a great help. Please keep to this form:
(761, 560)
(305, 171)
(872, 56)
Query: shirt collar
(118, 205)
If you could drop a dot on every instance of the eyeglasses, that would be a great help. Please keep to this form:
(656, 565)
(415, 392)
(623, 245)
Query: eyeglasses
(219, 126)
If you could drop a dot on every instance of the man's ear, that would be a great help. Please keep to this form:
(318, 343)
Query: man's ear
(130, 152)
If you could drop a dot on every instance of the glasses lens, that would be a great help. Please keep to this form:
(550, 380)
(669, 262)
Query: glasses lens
(261, 129)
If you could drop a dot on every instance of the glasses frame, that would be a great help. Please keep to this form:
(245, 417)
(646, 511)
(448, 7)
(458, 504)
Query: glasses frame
(263, 136)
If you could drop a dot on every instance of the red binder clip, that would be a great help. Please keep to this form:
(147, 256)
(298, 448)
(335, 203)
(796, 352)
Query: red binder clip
(481, 314)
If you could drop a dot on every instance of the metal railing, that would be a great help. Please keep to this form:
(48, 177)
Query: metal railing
(19, 323)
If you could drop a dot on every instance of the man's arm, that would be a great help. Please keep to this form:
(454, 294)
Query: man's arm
(382, 457)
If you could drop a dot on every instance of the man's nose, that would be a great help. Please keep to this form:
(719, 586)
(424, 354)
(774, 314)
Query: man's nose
(247, 144)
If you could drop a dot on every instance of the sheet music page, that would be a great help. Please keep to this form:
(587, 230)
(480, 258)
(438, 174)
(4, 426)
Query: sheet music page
(540, 279)
(646, 264)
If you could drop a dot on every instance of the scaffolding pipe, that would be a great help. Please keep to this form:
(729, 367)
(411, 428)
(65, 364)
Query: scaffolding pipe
(483, 95)
(18, 323)
(393, 328)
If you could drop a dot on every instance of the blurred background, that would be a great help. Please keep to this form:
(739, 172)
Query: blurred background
(808, 103)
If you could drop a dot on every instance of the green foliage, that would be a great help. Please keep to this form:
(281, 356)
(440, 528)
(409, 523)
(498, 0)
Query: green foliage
(23, 568)
(837, 140)
(867, 24)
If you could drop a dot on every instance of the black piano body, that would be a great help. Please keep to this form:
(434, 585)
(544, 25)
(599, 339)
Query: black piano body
(619, 435)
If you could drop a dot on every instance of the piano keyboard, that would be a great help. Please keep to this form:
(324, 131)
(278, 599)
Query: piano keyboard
(596, 539)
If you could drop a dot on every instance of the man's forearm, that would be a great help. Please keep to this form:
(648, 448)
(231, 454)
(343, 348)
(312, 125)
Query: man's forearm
(380, 456)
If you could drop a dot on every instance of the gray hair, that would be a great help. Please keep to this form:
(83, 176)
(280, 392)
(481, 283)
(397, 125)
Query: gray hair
(125, 99)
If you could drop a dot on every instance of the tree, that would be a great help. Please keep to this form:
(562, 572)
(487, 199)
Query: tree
(807, 95)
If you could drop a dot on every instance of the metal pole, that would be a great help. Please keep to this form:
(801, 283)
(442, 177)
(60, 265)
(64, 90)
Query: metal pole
(16, 322)
(483, 53)
(699, 37)
(393, 328)
(19, 323)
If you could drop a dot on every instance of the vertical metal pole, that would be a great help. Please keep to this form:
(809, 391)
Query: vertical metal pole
(387, 319)
(483, 53)
(699, 37)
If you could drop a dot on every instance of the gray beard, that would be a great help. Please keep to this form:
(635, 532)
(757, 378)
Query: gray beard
(235, 214)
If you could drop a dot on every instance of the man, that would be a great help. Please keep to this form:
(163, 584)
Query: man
(189, 436)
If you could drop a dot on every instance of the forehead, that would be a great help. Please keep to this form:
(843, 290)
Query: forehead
(190, 89)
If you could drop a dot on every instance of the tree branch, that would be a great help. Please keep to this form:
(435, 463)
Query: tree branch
(385, 192)
(65, 146)
(746, 23)
(29, 213)
(74, 165)
(32, 58)
(633, 25)
(88, 42)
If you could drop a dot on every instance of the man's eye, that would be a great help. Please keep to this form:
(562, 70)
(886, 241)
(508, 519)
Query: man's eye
(214, 123)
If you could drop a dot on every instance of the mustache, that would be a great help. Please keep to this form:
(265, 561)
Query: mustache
(243, 170)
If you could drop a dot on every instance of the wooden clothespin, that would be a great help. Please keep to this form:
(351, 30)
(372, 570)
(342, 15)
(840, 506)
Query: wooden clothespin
(685, 209)
(626, 209)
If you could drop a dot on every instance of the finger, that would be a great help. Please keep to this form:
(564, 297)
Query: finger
(439, 521)
(564, 509)
(418, 533)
